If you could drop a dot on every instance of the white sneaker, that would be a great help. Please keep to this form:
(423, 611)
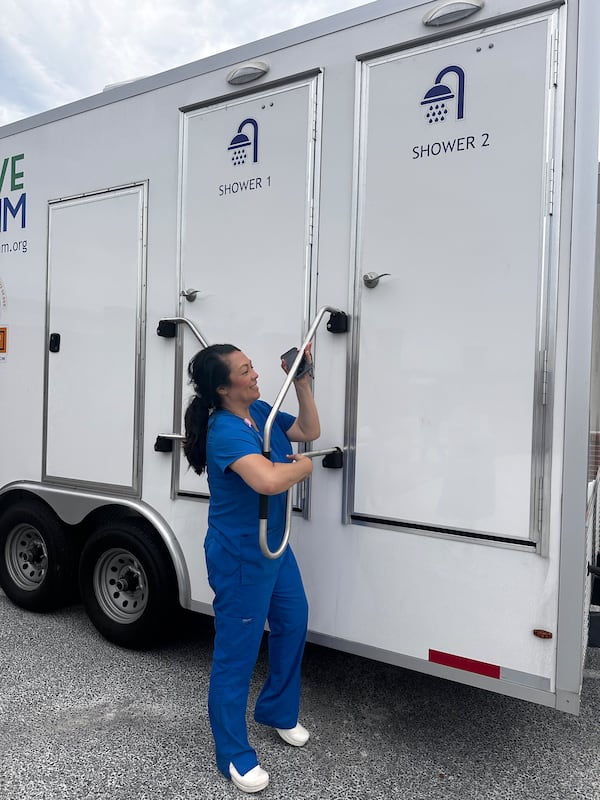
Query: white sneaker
(255, 780)
(297, 736)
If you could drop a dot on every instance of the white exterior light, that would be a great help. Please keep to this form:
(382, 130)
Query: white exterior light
(452, 11)
(244, 73)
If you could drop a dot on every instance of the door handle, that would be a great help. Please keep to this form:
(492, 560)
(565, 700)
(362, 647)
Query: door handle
(371, 279)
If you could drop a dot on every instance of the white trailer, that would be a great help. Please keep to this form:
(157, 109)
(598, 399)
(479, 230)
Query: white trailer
(428, 171)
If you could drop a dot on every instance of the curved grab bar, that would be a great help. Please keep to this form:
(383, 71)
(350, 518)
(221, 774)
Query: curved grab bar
(167, 327)
(263, 507)
(191, 326)
(262, 529)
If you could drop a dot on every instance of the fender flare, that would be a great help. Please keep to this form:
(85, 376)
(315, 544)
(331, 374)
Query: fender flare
(73, 505)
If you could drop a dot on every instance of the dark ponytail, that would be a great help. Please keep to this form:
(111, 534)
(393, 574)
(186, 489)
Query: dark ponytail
(208, 370)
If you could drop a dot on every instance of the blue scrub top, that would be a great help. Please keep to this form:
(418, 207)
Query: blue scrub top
(233, 509)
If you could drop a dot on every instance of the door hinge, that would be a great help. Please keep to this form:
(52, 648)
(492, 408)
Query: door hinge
(315, 113)
(311, 221)
(550, 181)
(540, 504)
(554, 72)
(544, 379)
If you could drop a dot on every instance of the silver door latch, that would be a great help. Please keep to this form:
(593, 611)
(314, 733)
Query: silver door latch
(190, 294)
(371, 279)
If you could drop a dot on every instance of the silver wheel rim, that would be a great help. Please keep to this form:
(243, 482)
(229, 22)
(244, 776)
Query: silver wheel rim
(120, 586)
(26, 557)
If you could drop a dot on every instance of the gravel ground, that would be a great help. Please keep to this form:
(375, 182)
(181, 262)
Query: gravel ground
(82, 719)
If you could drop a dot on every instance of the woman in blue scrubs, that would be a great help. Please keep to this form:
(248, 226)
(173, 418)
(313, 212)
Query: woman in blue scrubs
(224, 424)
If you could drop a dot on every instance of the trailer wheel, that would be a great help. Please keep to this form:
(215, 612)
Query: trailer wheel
(36, 561)
(127, 585)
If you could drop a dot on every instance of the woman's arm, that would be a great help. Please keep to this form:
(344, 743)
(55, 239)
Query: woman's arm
(307, 427)
(268, 477)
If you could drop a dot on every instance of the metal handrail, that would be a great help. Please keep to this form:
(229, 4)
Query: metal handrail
(191, 326)
(179, 437)
(263, 503)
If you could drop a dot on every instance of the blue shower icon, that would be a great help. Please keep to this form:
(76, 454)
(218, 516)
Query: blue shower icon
(436, 99)
(241, 143)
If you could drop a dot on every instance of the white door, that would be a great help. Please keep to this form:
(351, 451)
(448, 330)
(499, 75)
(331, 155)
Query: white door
(95, 316)
(453, 204)
(246, 229)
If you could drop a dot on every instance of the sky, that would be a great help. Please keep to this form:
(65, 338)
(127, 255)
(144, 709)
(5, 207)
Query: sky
(55, 51)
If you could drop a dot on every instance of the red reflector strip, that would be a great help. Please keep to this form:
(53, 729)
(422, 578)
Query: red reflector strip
(467, 664)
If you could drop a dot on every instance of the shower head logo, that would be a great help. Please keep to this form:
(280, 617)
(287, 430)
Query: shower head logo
(242, 144)
(439, 96)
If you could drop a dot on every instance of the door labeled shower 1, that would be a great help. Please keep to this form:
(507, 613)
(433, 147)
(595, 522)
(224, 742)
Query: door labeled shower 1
(247, 189)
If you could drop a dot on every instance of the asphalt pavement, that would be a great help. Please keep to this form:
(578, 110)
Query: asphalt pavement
(81, 719)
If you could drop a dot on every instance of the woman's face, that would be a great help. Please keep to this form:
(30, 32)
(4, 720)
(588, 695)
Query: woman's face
(243, 387)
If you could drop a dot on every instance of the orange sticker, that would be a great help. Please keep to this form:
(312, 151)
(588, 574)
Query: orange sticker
(3, 340)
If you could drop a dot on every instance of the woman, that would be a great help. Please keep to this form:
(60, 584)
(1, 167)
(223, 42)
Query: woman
(224, 424)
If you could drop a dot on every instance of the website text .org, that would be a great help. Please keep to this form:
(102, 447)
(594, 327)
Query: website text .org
(14, 247)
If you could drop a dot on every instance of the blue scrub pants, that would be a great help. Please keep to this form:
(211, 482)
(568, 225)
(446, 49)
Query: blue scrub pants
(241, 610)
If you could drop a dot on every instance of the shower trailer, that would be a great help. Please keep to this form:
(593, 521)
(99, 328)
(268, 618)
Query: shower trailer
(415, 185)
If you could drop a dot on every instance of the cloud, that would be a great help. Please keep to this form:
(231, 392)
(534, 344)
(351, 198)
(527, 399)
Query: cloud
(54, 52)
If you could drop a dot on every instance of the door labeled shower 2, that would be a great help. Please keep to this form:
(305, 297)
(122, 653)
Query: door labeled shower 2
(455, 146)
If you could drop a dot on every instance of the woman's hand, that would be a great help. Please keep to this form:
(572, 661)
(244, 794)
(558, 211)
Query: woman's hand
(268, 477)
(308, 357)
(298, 457)
(306, 428)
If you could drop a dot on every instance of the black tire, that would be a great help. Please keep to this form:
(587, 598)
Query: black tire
(595, 600)
(36, 558)
(127, 584)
